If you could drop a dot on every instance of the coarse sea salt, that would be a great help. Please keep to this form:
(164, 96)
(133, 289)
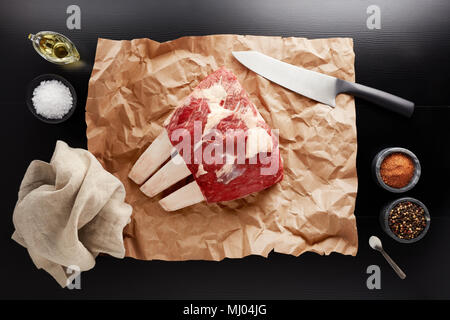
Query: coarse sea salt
(52, 99)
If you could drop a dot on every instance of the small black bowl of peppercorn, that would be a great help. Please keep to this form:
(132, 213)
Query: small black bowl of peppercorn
(406, 220)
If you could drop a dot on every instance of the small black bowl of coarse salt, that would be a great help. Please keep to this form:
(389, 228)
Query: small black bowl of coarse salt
(51, 98)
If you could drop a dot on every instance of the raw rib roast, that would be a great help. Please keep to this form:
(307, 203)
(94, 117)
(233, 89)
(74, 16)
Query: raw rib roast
(223, 115)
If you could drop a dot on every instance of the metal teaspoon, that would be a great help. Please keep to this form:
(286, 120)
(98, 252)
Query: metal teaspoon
(375, 243)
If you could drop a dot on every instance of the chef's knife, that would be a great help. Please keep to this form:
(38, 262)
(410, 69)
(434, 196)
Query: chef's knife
(318, 86)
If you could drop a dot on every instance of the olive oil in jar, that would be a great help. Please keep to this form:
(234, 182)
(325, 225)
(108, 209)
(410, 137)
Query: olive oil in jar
(54, 47)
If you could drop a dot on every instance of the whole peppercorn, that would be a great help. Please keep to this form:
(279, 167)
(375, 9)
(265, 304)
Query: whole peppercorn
(407, 220)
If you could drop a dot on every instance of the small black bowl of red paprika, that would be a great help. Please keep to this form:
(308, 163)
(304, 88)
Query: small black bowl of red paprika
(396, 169)
(406, 220)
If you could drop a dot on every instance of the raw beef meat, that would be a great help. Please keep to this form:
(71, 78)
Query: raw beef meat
(220, 102)
(219, 137)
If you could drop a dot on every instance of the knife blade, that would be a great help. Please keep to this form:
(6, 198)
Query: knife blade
(318, 86)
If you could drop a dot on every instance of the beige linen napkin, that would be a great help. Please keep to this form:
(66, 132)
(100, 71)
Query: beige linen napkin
(69, 211)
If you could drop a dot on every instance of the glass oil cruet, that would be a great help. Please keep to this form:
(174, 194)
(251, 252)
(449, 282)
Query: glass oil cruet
(54, 47)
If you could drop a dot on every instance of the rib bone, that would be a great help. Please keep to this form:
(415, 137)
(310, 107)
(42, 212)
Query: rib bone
(158, 152)
(186, 196)
(172, 172)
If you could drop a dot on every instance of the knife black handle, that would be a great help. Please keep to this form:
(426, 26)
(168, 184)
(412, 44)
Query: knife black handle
(381, 98)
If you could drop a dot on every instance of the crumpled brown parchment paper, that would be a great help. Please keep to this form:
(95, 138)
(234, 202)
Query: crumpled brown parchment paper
(136, 84)
(69, 211)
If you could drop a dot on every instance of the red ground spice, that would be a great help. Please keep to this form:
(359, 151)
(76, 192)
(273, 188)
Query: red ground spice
(397, 170)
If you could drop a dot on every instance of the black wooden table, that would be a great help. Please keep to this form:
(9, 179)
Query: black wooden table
(408, 56)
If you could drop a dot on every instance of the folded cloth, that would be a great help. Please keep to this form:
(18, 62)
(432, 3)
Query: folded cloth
(69, 211)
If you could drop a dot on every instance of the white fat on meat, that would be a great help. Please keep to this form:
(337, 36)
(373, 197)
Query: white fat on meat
(214, 95)
(229, 171)
(250, 119)
(258, 140)
(200, 170)
(216, 115)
